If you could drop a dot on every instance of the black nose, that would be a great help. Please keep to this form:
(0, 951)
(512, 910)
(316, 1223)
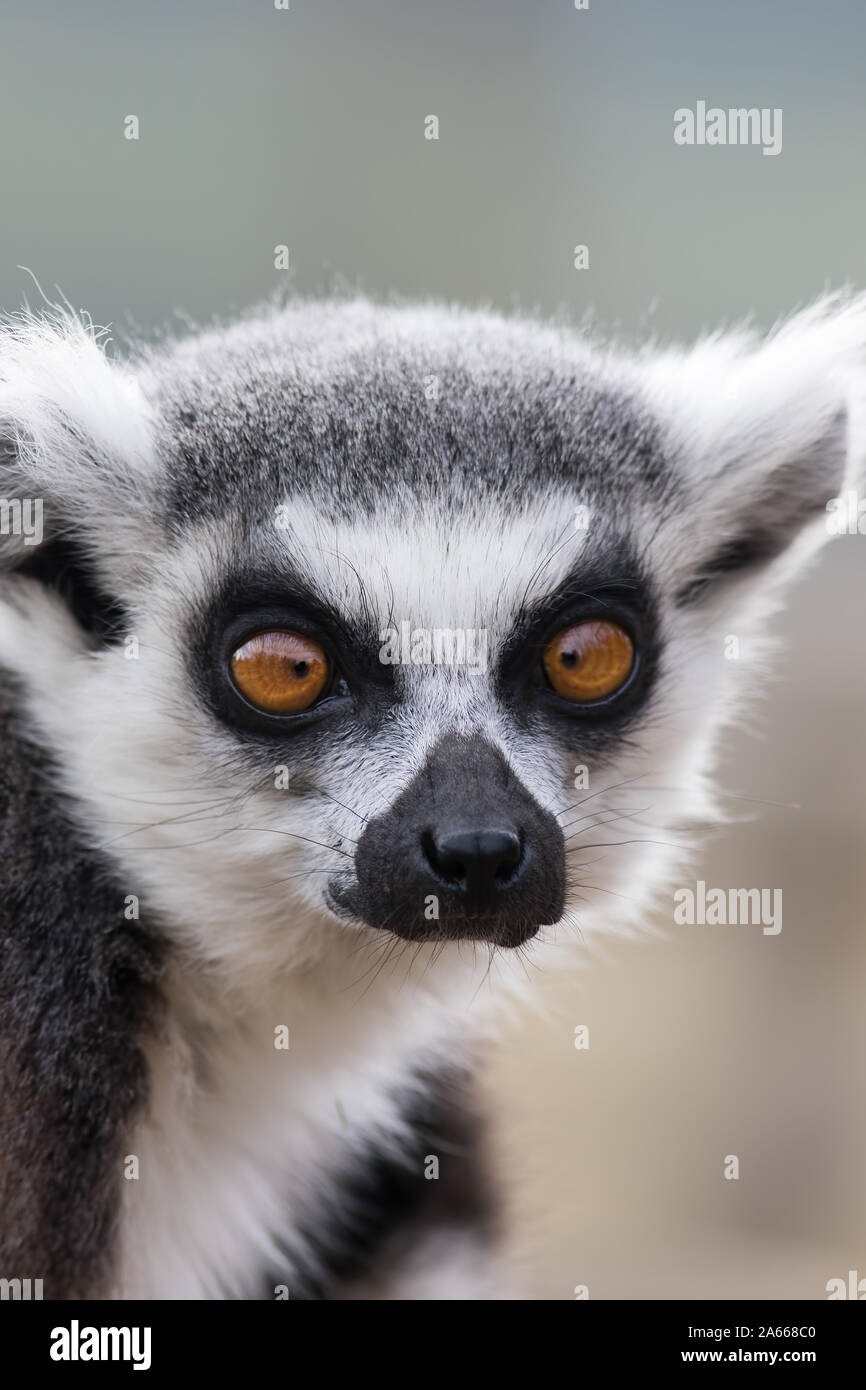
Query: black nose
(464, 853)
(475, 863)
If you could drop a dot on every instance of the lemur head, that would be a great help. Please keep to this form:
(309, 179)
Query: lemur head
(351, 619)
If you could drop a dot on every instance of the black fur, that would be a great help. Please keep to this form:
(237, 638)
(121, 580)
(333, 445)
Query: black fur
(62, 565)
(77, 990)
(382, 1207)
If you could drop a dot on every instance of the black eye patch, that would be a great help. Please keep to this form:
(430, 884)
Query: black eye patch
(64, 567)
(615, 595)
(250, 603)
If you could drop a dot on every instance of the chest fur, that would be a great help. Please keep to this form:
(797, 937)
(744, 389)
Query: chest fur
(248, 1126)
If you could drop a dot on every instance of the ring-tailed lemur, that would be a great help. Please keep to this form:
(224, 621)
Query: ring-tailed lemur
(366, 651)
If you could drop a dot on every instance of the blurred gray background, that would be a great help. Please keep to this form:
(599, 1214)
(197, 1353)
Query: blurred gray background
(261, 127)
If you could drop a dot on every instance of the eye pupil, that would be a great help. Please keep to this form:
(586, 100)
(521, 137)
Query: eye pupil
(301, 668)
(569, 658)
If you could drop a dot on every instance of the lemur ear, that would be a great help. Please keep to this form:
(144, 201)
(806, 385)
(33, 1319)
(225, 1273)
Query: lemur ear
(765, 436)
(76, 453)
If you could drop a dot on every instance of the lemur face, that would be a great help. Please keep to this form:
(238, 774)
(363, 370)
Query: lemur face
(404, 621)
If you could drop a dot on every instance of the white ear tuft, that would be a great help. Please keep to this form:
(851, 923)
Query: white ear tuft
(75, 429)
(764, 432)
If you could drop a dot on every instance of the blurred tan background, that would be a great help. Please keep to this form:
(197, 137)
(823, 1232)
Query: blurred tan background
(305, 127)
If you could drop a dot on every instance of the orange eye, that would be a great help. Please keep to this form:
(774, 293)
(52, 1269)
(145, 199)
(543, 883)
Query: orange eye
(280, 672)
(589, 661)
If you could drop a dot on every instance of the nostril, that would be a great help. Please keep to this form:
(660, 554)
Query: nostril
(503, 851)
(509, 863)
(443, 859)
(474, 861)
